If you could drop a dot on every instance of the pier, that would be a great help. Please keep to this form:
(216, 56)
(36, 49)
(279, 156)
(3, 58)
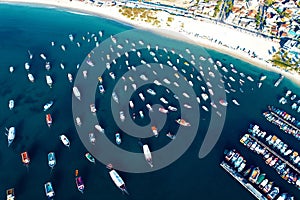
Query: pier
(275, 154)
(286, 122)
(243, 181)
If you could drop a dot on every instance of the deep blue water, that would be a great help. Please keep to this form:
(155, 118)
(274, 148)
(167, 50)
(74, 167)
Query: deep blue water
(188, 177)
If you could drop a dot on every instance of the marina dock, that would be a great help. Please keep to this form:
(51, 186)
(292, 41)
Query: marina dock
(243, 181)
(275, 154)
(286, 122)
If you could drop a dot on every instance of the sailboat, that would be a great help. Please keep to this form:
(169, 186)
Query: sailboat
(11, 135)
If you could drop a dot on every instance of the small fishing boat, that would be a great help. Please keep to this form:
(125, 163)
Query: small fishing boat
(70, 77)
(92, 138)
(48, 105)
(183, 122)
(51, 160)
(10, 194)
(11, 104)
(49, 120)
(118, 181)
(90, 157)
(47, 66)
(76, 92)
(25, 158)
(154, 131)
(79, 182)
(65, 140)
(147, 154)
(27, 66)
(118, 138)
(49, 81)
(11, 135)
(49, 190)
(30, 77)
(11, 69)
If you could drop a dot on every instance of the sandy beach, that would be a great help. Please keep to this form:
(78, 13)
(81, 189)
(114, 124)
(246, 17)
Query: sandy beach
(210, 35)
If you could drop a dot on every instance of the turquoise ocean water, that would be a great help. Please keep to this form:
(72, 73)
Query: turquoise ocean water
(25, 28)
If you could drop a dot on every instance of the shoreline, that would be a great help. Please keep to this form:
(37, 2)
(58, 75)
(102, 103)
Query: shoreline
(112, 13)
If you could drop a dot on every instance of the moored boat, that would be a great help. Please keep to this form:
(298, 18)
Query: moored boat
(99, 128)
(10, 194)
(183, 122)
(154, 131)
(254, 175)
(49, 190)
(118, 181)
(70, 77)
(76, 92)
(11, 69)
(78, 121)
(92, 138)
(65, 140)
(93, 108)
(147, 154)
(30, 77)
(171, 136)
(90, 157)
(115, 97)
(49, 120)
(163, 110)
(118, 138)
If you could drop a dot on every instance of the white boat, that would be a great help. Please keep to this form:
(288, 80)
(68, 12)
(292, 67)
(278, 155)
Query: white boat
(142, 96)
(118, 181)
(163, 100)
(27, 66)
(163, 110)
(63, 47)
(149, 107)
(122, 116)
(30, 54)
(204, 96)
(84, 73)
(93, 108)
(131, 104)
(48, 105)
(30, 77)
(141, 114)
(43, 56)
(92, 138)
(115, 97)
(11, 69)
(112, 75)
(235, 102)
(150, 91)
(11, 135)
(11, 104)
(49, 80)
(99, 128)
(154, 130)
(47, 66)
(65, 140)
(51, 160)
(76, 92)
(187, 106)
(62, 66)
(147, 154)
(78, 121)
(70, 77)
(171, 108)
(71, 37)
(118, 138)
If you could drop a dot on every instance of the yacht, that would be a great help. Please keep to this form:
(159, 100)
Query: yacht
(25, 158)
(27, 66)
(65, 140)
(141, 114)
(183, 122)
(76, 92)
(90, 157)
(78, 121)
(49, 190)
(115, 97)
(149, 107)
(101, 89)
(118, 181)
(122, 116)
(154, 130)
(11, 133)
(11, 104)
(163, 110)
(99, 128)
(131, 104)
(47, 66)
(169, 135)
(43, 56)
(150, 91)
(93, 108)
(70, 77)
(142, 96)
(71, 37)
(11, 69)
(118, 138)
(147, 154)
(79, 182)
(171, 108)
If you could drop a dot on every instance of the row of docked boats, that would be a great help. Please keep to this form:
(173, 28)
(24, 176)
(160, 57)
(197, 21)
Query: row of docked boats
(261, 186)
(284, 121)
(291, 99)
(282, 167)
